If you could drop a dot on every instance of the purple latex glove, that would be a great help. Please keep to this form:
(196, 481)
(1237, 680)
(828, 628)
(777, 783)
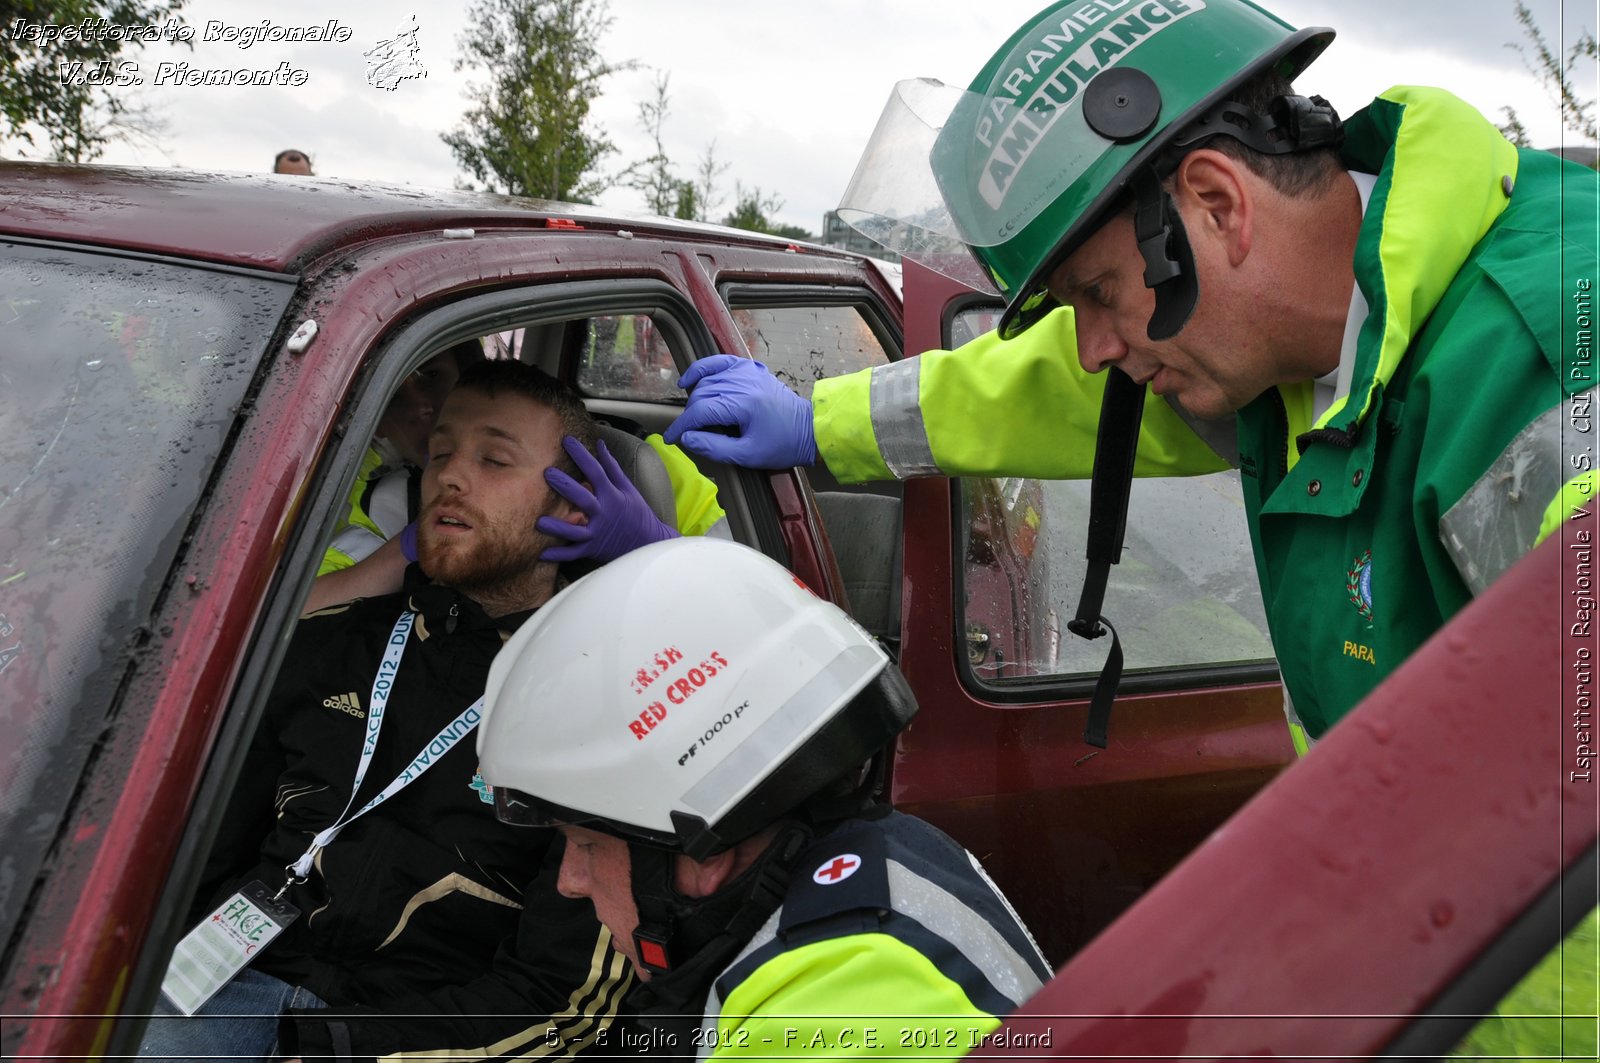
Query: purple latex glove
(408, 541)
(773, 423)
(619, 518)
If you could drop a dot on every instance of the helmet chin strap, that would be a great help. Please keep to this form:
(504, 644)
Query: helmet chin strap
(1169, 272)
(1121, 411)
(1293, 123)
(685, 942)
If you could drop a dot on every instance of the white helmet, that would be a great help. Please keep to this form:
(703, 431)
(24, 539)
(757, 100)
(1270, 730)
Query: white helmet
(686, 695)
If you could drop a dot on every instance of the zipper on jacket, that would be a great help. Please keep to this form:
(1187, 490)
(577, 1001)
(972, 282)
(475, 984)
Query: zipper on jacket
(1283, 424)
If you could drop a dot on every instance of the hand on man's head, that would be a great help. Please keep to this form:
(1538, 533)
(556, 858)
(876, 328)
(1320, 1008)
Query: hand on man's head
(613, 517)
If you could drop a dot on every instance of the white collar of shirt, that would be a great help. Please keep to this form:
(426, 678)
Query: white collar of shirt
(1335, 384)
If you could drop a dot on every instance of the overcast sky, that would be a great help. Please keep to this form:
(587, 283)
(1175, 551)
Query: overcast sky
(788, 89)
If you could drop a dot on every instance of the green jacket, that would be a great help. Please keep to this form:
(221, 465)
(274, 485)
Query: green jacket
(1447, 461)
(891, 941)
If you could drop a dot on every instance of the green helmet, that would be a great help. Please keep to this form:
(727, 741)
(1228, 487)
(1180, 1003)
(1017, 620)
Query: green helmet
(1085, 102)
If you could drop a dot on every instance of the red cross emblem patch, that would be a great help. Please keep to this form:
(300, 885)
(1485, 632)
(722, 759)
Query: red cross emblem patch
(836, 870)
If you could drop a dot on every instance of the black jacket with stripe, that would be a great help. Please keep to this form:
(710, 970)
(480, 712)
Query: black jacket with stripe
(427, 924)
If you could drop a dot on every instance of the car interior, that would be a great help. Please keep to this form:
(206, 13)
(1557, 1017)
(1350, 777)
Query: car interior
(626, 368)
(623, 351)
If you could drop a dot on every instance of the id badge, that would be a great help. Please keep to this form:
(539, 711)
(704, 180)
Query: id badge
(225, 941)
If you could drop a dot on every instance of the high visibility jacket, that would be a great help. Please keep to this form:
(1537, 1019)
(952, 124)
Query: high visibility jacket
(693, 495)
(1465, 435)
(891, 941)
(380, 504)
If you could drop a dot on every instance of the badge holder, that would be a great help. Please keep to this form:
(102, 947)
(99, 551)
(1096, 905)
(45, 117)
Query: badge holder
(229, 938)
(222, 945)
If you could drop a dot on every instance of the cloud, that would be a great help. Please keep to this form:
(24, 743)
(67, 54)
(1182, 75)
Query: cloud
(1475, 31)
(789, 90)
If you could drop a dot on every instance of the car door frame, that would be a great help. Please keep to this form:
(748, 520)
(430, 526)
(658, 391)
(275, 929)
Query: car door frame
(1339, 914)
(1073, 835)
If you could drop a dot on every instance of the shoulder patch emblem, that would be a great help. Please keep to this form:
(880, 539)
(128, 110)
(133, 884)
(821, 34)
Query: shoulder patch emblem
(835, 871)
(1358, 585)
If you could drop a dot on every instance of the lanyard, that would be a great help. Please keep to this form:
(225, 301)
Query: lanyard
(382, 687)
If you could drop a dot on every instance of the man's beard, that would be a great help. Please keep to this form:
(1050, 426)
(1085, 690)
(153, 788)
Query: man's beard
(497, 560)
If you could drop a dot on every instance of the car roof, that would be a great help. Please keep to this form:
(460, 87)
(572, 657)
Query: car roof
(278, 222)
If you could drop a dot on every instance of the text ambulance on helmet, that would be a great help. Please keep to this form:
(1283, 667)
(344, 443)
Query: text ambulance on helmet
(1084, 103)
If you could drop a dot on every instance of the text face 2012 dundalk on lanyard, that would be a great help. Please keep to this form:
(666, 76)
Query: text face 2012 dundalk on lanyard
(230, 937)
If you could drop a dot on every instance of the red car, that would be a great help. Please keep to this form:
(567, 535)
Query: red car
(192, 366)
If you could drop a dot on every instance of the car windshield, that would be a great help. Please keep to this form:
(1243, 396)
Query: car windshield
(119, 382)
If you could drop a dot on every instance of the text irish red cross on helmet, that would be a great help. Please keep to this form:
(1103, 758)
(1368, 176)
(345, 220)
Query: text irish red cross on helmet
(836, 870)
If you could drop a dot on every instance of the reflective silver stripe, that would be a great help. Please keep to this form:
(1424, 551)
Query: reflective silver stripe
(713, 1013)
(976, 938)
(356, 543)
(1496, 521)
(894, 394)
(936, 909)
(1222, 436)
(783, 731)
(1006, 902)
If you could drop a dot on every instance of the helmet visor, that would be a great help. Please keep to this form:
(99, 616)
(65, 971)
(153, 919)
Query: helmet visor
(948, 169)
(893, 196)
(519, 809)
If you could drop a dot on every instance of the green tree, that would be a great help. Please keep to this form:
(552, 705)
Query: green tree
(528, 132)
(664, 192)
(1555, 73)
(693, 199)
(706, 198)
(64, 91)
(753, 210)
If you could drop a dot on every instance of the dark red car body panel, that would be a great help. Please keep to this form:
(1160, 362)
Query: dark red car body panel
(1007, 779)
(1362, 883)
(1014, 782)
(261, 222)
(82, 937)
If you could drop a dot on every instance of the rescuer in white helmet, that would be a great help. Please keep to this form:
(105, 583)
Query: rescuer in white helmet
(706, 733)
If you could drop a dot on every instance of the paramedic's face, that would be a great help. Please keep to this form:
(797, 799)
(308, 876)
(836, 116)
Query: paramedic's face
(410, 415)
(1206, 368)
(484, 487)
(597, 866)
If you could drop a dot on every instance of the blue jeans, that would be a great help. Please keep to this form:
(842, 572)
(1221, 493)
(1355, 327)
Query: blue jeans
(240, 1022)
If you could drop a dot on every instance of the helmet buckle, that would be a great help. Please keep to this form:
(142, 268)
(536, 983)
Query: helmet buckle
(1168, 261)
(650, 945)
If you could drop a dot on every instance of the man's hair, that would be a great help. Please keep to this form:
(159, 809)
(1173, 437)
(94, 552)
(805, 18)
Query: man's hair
(502, 376)
(290, 155)
(467, 354)
(1300, 173)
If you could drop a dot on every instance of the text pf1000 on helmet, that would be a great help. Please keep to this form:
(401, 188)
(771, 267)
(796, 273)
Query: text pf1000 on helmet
(685, 696)
(1086, 103)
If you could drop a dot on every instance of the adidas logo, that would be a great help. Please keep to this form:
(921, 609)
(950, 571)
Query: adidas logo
(349, 703)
